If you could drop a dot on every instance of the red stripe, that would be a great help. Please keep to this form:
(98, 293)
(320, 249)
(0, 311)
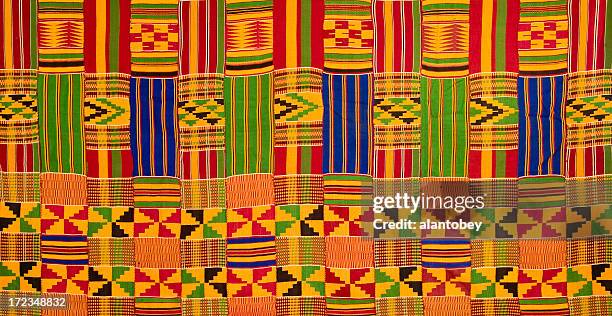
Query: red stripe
(575, 13)
(203, 29)
(279, 26)
(185, 35)
(474, 163)
(2, 4)
(124, 36)
(408, 164)
(599, 160)
(213, 27)
(316, 162)
(588, 161)
(186, 165)
(600, 48)
(590, 47)
(512, 35)
(92, 163)
(127, 164)
(409, 34)
(475, 35)
(571, 163)
(318, 12)
(280, 154)
(493, 36)
(512, 163)
(398, 33)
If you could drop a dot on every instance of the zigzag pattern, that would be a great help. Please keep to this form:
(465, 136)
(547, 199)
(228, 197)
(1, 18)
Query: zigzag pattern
(107, 112)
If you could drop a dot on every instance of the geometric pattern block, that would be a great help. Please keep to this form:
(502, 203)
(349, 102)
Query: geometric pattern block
(446, 306)
(204, 307)
(300, 281)
(300, 306)
(157, 222)
(495, 253)
(251, 252)
(590, 305)
(110, 306)
(399, 281)
(157, 252)
(590, 250)
(495, 282)
(542, 283)
(209, 252)
(391, 306)
(338, 306)
(353, 283)
(588, 280)
(542, 253)
(204, 282)
(299, 220)
(19, 217)
(60, 36)
(64, 219)
(346, 220)
(584, 221)
(496, 306)
(446, 253)
(300, 251)
(199, 223)
(397, 252)
(248, 37)
(20, 276)
(111, 251)
(253, 282)
(348, 37)
(541, 192)
(544, 306)
(445, 38)
(251, 221)
(167, 306)
(543, 37)
(157, 282)
(499, 222)
(347, 189)
(349, 252)
(446, 282)
(64, 249)
(110, 222)
(111, 281)
(542, 223)
(68, 279)
(157, 192)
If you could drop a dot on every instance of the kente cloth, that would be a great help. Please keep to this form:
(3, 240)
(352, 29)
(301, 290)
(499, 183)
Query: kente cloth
(223, 157)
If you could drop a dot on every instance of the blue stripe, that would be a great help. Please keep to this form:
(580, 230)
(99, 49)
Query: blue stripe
(67, 262)
(133, 120)
(545, 108)
(158, 155)
(326, 126)
(446, 265)
(351, 123)
(257, 264)
(558, 121)
(145, 132)
(533, 124)
(522, 152)
(248, 240)
(63, 238)
(445, 242)
(364, 137)
(338, 120)
(170, 125)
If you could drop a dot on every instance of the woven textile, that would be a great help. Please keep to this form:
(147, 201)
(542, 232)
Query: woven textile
(223, 157)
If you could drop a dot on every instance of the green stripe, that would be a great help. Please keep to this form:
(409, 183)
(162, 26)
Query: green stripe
(608, 40)
(33, 34)
(77, 140)
(305, 32)
(157, 204)
(500, 34)
(416, 46)
(253, 124)
(220, 36)
(115, 29)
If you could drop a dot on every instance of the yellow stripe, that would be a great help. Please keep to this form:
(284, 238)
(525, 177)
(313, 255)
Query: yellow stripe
(486, 42)
(100, 35)
(193, 35)
(485, 164)
(388, 16)
(103, 164)
(8, 37)
(291, 33)
(582, 34)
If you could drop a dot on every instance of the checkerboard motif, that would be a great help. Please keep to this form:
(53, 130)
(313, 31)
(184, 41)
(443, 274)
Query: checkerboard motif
(221, 157)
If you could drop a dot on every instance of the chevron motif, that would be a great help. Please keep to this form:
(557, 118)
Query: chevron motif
(103, 111)
(397, 111)
(208, 112)
(589, 109)
(446, 37)
(61, 34)
(18, 107)
(302, 106)
(493, 111)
